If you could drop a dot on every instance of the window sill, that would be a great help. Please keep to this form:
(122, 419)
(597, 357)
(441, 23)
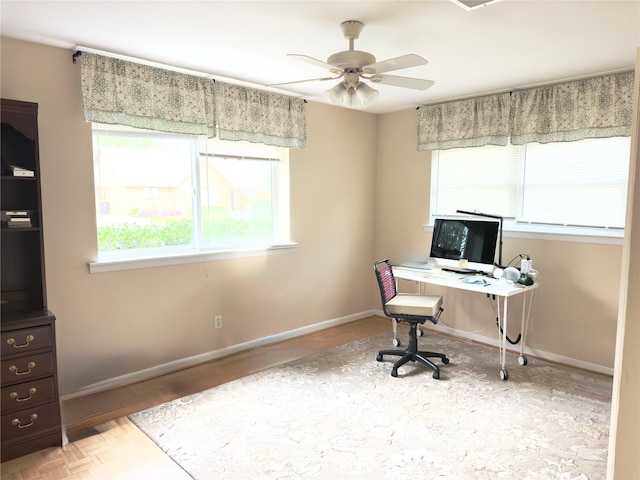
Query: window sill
(558, 233)
(116, 264)
(565, 234)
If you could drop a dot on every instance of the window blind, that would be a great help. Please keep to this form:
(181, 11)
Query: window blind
(578, 183)
(581, 184)
(481, 178)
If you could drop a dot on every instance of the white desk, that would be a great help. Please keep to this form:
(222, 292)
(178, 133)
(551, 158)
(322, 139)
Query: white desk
(502, 290)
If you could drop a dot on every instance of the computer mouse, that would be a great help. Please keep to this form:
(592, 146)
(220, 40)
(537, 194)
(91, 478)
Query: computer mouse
(525, 280)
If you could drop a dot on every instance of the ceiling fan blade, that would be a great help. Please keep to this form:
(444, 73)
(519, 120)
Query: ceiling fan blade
(405, 82)
(313, 61)
(397, 63)
(305, 81)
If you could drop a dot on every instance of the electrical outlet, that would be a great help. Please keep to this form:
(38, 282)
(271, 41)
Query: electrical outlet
(217, 320)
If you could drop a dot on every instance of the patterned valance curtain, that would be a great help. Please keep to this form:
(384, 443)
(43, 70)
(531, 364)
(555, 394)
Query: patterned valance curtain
(116, 91)
(593, 108)
(266, 117)
(465, 123)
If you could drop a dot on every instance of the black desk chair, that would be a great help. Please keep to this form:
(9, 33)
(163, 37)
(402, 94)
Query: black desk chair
(412, 309)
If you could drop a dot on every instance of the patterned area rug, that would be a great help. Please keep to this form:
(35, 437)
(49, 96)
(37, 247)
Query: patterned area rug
(339, 414)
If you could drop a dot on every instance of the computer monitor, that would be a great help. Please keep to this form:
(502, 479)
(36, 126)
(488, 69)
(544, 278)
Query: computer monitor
(469, 244)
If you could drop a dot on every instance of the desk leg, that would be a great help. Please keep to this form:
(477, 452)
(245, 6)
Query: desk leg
(526, 315)
(396, 340)
(419, 331)
(504, 375)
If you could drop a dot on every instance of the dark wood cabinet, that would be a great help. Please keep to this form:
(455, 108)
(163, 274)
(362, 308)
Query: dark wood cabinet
(30, 405)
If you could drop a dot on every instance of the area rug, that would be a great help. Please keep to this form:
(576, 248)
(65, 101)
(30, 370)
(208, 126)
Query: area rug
(340, 415)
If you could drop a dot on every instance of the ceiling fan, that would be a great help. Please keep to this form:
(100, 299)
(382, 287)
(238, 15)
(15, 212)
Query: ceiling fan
(354, 66)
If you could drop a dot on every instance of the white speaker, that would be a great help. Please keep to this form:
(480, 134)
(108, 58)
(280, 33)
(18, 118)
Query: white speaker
(511, 273)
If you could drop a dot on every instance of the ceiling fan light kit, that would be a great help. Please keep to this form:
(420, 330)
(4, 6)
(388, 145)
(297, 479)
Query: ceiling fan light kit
(354, 66)
(352, 96)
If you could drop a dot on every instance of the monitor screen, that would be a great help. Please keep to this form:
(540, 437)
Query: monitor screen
(471, 240)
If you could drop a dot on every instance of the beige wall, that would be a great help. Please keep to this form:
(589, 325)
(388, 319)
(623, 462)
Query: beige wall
(113, 324)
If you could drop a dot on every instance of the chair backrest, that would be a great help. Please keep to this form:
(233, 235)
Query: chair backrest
(386, 281)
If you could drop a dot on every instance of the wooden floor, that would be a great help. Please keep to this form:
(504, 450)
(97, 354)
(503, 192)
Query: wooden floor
(104, 444)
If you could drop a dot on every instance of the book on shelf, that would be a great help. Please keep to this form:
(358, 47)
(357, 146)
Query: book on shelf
(18, 222)
(16, 218)
(19, 219)
(20, 172)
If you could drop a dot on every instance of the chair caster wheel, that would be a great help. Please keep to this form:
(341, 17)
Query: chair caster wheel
(522, 360)
(396, 342)
(394, 372)
(445, 360)
(419, 332)
(436, 375)
(379, 357)
(504, 375)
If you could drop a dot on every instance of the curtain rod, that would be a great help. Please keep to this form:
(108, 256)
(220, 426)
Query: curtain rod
(526, 87)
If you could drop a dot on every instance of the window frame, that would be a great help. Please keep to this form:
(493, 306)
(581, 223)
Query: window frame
(196, 252)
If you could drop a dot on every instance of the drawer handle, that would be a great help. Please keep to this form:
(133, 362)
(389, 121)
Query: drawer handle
(12, 341)
(30, 366)
(16, 421)
(14, 395)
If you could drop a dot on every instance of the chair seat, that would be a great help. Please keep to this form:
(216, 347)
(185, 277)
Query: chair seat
(408, 304)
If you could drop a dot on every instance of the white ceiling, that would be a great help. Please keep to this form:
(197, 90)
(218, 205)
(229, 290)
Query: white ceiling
(502, 46)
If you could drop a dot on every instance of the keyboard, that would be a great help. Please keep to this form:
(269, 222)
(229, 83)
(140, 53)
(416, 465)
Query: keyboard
(417, 265)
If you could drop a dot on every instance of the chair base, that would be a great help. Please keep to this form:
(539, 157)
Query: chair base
(412, 354)
(413, 357)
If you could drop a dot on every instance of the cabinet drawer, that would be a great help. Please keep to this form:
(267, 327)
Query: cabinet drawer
(26, 340)
(22, 369)
(29, 422)
(24, 395)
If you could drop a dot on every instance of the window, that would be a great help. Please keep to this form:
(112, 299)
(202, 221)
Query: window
(162, 195)
(569, 187)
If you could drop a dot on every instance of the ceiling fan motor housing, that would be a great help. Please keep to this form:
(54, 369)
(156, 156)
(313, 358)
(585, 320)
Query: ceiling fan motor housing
(351, 59)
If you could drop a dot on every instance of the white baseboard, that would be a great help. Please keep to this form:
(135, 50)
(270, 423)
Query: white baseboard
(179, 364)
(551, 357)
